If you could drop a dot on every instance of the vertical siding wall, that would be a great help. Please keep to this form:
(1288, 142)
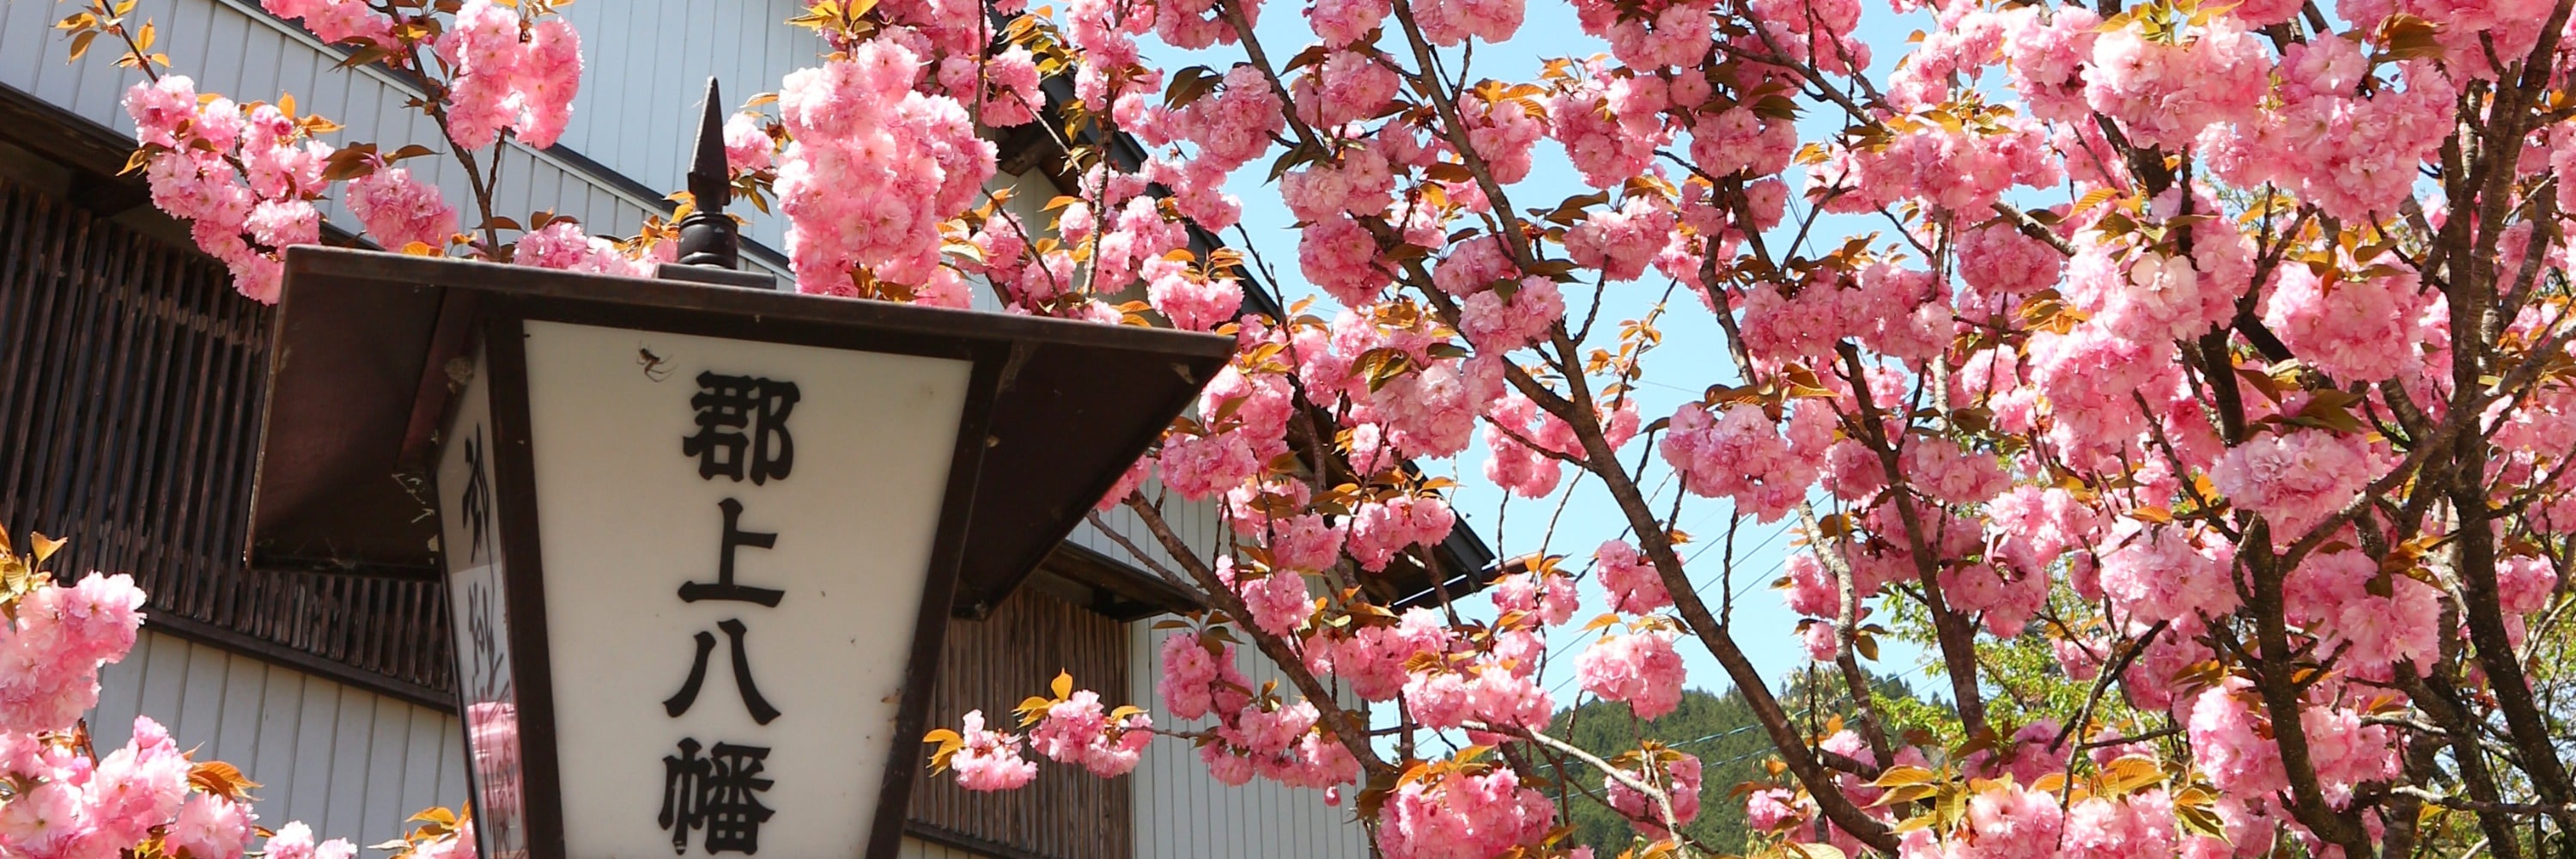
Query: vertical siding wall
(231, 47)
(1183, 813)
(646, 64)
(348, 762)
(1195, 523)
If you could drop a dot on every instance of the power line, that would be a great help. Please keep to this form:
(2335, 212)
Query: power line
(1715, 737)
(1695, 587)
(1704, 765)
(1702, 585)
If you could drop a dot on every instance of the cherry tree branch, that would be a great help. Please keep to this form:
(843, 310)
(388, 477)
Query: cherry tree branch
(1347, 728)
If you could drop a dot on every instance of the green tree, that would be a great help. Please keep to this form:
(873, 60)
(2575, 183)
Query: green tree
(1719, 728)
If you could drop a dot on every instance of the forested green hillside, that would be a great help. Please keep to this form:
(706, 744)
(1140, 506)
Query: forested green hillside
(1720, 729)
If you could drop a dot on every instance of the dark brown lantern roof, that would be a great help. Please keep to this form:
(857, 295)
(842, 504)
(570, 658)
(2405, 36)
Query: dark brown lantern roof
(358, 377)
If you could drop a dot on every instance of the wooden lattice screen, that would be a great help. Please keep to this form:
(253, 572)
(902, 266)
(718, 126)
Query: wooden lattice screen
(130, 379)
(992, 664)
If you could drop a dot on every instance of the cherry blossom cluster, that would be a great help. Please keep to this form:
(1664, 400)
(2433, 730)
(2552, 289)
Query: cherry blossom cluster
(509, 73)
(1675, 774)
(1638, 667)
(1457, 812)
(873, 165)
(254, 179)
(245, 177)
(146, 798)
(337, 21)
(989, 760)
(562, 245)
(1079, 731)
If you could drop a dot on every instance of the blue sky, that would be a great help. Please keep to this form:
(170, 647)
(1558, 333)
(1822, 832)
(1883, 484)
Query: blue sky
(1692, 357)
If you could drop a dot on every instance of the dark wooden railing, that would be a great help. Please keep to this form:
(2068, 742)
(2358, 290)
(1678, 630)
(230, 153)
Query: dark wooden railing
(130, 381)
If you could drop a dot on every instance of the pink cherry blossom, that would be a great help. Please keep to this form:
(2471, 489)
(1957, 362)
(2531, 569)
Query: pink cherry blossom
(2167, 573)
(1198, 303)
(1462, 816)
(746, 143)
(399, 210)
(160, 107)
(2358, 330)
(1197, 679)
(2165, 94)
(210, 827)
(1739, 454)
(1341, 22)
(1620, 243)
(1679, 779)
(1549, 597)
(1277, 599)
(2226, 746)
(2134, 827)
(2010, 820)
(1380, 530)
(1634, 586)
(2295, 479)
(990, 760)
(1078, 731)
(1336, 254)
(1639, 668)
(562, 245)
(1497, 322)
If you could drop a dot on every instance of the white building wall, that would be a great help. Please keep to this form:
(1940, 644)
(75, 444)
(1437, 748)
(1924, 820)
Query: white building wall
(354, 764)
(1196, 523)
(234, 48)
(646, 64)
(348, 762)
(1184, 813)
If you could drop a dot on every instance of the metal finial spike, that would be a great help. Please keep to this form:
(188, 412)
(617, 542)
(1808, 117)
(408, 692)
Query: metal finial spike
(707, 235)
(707, 180)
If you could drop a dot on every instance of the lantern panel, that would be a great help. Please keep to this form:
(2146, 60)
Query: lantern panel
(735, 540)
(478, 588)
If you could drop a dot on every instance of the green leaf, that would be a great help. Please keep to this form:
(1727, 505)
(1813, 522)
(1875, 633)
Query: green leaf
(1900, 776)
(1449, 172)
(2200, 821)
(1188, 85)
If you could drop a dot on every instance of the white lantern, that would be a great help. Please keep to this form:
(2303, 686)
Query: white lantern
(700, 541)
